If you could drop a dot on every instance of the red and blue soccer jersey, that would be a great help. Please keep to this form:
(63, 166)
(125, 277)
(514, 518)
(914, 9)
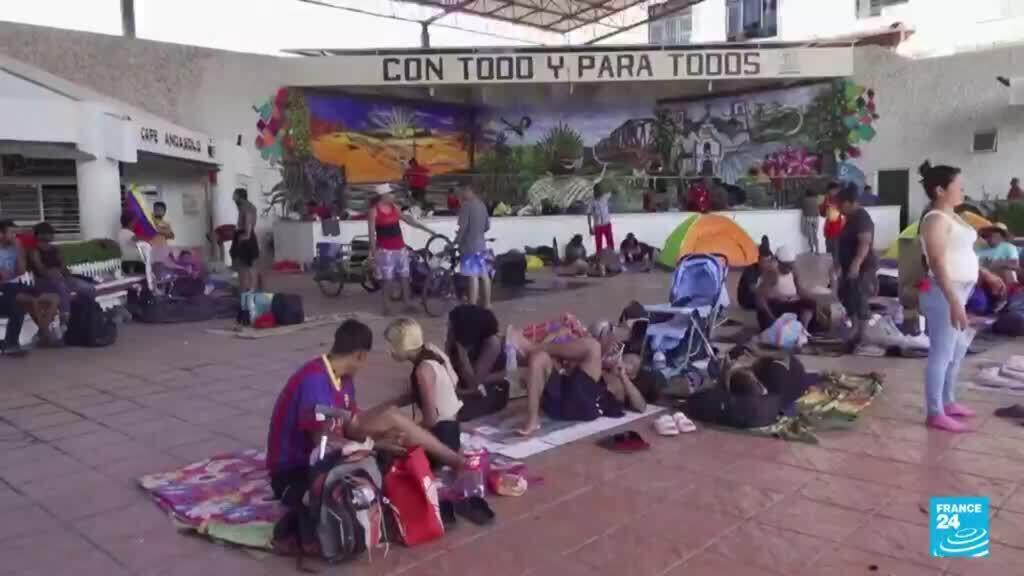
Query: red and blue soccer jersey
(293, 422)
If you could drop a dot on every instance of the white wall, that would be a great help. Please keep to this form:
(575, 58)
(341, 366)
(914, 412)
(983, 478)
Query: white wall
(296, 241)
(931, 109)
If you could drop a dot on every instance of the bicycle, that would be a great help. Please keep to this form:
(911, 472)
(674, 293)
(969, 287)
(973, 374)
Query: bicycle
(438, 282)
(336, 264)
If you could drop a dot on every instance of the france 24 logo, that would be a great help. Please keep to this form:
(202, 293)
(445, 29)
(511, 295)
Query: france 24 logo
(959, 527)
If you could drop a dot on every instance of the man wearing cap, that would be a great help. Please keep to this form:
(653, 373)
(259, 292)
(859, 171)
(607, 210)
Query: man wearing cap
(779, 290)
(387, 245)
(999, 255)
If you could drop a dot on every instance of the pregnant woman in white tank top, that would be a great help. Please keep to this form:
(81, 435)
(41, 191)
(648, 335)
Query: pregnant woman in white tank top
(948, 246)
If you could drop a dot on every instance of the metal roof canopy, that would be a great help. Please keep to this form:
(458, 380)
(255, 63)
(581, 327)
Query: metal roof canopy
(607, 17)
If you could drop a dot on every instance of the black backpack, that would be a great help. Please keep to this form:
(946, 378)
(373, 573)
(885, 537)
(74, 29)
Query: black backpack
(287, 309)
(89, 325)
(511, 268)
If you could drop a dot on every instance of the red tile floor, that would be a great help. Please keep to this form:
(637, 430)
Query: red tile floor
(78, 426)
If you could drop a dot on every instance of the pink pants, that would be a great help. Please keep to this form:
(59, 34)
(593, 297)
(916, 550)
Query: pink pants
(602, 234)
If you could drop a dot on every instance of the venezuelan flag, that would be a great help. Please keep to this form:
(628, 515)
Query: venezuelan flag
(142, 221)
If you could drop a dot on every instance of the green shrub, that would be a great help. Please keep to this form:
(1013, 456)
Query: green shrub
(89, 251)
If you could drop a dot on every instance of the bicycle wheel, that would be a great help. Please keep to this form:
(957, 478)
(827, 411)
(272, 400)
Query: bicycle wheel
(438, 293)
(369, 282)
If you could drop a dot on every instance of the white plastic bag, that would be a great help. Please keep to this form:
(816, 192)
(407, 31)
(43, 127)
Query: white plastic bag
(786, 333)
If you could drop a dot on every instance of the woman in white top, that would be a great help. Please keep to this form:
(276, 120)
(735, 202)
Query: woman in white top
(433, 380)
(948, 246)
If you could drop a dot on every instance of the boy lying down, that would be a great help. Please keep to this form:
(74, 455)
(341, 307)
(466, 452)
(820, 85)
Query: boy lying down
(329, 380)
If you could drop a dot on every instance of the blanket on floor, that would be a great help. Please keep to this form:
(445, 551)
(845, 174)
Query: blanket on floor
(835, 402)
(226, 497)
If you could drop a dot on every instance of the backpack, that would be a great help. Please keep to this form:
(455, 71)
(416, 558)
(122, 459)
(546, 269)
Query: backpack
(511, 268)
(287, 309)
(89, 325)
(344, 516)
(786, 333)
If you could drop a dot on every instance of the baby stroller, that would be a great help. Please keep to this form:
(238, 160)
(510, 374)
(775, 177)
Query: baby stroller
(681, 330)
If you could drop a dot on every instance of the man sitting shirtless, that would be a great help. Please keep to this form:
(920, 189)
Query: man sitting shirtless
(567, 380)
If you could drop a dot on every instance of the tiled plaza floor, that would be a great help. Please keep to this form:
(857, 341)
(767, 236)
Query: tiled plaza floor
(77, 427)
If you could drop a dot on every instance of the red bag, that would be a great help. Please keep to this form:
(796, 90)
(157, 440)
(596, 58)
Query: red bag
(411, 490)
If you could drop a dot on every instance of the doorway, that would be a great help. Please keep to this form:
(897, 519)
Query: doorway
(894, 190)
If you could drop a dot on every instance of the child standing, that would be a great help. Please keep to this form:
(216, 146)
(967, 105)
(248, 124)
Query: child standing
(599, 220)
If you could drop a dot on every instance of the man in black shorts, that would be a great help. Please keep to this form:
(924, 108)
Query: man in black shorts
(245, 248)
(568, 381)
(857, 262)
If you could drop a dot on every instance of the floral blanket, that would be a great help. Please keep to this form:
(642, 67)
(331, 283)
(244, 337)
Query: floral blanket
(835, 402)
(562, 329)
(226, 497)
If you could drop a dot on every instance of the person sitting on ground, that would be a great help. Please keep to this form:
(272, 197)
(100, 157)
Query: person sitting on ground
(329, 381)
(999, 255)
(477, 353)
(433, 380)
(574, 263)
(567, 381)
(779, 291)
(635, 251)
(52, 276)
(17, 299)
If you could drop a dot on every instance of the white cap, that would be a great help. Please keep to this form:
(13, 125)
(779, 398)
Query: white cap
(382, 189)
(785, 254)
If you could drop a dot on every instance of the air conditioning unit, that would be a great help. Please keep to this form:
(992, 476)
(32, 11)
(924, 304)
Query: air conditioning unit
(985, 141)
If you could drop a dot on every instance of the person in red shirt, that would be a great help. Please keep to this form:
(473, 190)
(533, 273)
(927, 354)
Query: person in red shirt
(417, 178)
(698, 198)
(1015, 193)
(453, 201)
(834, 220)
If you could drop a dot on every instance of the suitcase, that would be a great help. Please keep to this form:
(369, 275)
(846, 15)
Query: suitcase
(287, 309)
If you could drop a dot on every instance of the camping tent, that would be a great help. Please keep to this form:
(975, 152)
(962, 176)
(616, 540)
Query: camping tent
(709, 234)
(893, 252)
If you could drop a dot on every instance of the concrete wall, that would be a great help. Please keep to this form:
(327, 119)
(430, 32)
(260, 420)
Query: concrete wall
(931, 109)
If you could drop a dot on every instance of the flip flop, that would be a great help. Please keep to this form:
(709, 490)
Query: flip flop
(684, 424)
(1016, 411)
(476, 510)
(625, 442)
(665, 425)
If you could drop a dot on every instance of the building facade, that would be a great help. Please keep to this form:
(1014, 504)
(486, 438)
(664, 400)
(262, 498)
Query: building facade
(940, 27)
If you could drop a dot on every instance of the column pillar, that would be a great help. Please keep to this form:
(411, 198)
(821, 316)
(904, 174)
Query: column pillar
(99, 198)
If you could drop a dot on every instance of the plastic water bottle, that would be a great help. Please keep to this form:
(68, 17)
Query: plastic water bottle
(659, 360)
(471, 479)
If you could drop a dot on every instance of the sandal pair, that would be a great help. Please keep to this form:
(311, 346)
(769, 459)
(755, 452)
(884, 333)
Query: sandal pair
(673, 424)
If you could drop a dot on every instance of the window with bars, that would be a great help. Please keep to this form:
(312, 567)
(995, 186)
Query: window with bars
(674, 29)
(873, 8)
(29, 204)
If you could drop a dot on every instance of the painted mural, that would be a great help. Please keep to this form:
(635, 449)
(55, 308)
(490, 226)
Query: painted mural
(556, 154)
(777, 132)
(374, 138)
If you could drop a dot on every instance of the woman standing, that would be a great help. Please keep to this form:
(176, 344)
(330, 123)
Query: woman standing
(387, 246)
(948, 245)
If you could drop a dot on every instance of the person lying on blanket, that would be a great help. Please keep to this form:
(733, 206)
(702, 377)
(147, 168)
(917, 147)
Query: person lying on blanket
(329, 380)
(567, 381)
